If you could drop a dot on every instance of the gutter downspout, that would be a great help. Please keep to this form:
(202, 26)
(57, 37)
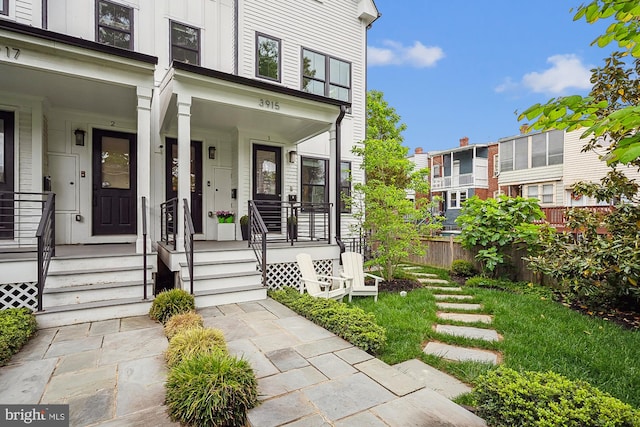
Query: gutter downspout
(343, 111)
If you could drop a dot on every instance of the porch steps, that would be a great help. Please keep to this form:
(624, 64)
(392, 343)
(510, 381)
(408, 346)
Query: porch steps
(89, 293)
(92, 311)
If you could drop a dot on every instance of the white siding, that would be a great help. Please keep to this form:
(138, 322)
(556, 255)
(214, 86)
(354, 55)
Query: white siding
(25, 169)
(24, 11)
(530, 175)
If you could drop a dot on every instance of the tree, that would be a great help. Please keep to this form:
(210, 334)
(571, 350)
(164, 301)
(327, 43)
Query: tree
(610, 114)
(390, 217)
(494, 227)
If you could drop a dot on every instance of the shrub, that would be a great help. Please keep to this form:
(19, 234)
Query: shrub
(211, 390)
(461, 267)
(190, 342)
(351, 323)
(168, 303)
(182, 321)
(505, 397)
(17, 325)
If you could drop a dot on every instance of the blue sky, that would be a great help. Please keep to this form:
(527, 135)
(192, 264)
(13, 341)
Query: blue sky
(460, 68)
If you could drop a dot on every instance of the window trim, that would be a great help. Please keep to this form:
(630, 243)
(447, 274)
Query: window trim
(327, 74)
(257, 73)
(496, 165)
(326, 179)
(5, 7)
(98, 26)
(171, 45)
(458, 198)
(343, 206)
(437, 169)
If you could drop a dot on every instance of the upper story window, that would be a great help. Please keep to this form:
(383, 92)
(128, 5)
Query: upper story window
(114, 24)
(345, 186)
(4, 7)
(514, 154)
(315, 181)
(547, 149)
(267, 57)
(325, 75)
(185, 43)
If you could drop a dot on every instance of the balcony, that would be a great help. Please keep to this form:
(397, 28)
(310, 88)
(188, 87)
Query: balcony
(458, 181)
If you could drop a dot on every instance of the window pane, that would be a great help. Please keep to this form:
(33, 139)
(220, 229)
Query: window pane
(556, 147)
(266, 172)
(532, 191)
(4, 7)
(454, 200)
(184, 36)
(521, 154)
(114, 38)
(115, 163)
(313, 86)
(313, 65)
(506, 156)
(547, 193)
(340, 93)
(313, 171)
(183, 55)
(268, 57)
(539, 150)
(2, 142)
(114, 16)
(345, 185)
(340, 72)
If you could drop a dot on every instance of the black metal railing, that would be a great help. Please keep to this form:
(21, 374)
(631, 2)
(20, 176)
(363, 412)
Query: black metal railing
(144, 246)
(295, 221)
(358, 244)
(189, 231)
(258, 238)
(46, 236)
(168, 223)
(20, 214)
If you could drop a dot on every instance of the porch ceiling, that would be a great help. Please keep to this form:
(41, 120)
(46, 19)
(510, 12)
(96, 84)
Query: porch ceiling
(65, 91)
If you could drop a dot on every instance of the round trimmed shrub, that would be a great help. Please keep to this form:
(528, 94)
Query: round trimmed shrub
(190, 342)
(505, 397)
(211, 390)
(463, 268)
(182, 321)
(169, 303)
(17, 325)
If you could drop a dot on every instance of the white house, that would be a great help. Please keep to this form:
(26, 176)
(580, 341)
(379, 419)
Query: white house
(125, 109)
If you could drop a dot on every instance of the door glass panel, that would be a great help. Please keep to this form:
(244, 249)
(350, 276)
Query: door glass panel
(2, 178)
(174, 168)
(266, 173)
(115, 163)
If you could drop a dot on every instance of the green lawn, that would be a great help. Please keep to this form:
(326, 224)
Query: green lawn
(539, 335)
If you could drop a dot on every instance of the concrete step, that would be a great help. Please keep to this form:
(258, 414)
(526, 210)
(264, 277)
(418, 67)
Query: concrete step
(465, 317)
(79, 294)
(431, 281)
(460, 354)
(458, 306)
(433, 379)
(208, 268)
(221, 282)
(468, 332)
(230, 296)
(91, 261)
(444, 288)
(456, 297)
(92, 312)
(99, 273)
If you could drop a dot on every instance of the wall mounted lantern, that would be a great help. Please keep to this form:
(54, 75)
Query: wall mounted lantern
(292, 156)
(212, 152)
(79, 134)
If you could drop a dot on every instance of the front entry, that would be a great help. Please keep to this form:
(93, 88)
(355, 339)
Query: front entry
(114, 183)
(196, 178)
(6, 175)
(267, 184)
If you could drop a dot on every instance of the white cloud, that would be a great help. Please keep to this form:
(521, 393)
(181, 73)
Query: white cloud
(566, 72)
(395, 53)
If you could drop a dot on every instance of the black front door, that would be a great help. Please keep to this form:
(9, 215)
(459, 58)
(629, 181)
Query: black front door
(6, 175)
(196, 178)
(267, 184)
(114, 182)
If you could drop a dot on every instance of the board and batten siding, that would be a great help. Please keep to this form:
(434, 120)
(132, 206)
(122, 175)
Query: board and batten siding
(25, 149)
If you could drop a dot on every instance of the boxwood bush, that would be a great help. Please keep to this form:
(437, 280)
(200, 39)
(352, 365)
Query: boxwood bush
(351, 323)
(211, 390)
(194, 341)
(168, 303)
(463, 268)
(505, 397)
(182, 321)
(17, 325)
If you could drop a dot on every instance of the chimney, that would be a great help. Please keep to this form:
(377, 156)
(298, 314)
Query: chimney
(464, 141)
(524, 128)
(419, 150)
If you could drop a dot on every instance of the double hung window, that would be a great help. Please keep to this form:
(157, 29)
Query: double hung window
(114, 24)
(314, 180)
(325, 75)
(345, 186)
(267, 57)
(185, 43)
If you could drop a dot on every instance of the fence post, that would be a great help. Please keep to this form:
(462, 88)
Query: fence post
(450, 249)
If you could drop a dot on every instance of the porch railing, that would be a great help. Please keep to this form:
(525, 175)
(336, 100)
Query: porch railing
(144, 246)
(189, 231)
(295, 221)
(20, 215)
(168, 224)
(258, 238)
(556, 216)
(46, 236)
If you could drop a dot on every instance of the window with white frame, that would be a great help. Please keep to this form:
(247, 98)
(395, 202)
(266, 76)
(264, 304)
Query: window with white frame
(547, 193)
(114, 24)
(544, 193)
(268, 57)
(496, 165)
(456, 199)
(514, 154)
(315, 180)
(547, 149)
(4, 7)
(532, 191)
(436, 171)
(185, 43)
(325, 75)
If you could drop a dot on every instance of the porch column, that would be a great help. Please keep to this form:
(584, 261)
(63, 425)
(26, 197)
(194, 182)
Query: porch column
(184, 164)
(144, 163)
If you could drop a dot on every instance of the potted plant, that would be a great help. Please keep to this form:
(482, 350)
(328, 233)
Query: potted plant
(244, 227)
(224, 216)
(292, 227)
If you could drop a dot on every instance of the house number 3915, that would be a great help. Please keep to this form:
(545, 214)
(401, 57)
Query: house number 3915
(12, 52)
(267, 103)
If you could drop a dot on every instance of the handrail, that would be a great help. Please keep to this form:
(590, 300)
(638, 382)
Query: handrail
(144, 246)
(189, 231)
(168, 225)
(46, 235)
(258, 238)
(296, 221)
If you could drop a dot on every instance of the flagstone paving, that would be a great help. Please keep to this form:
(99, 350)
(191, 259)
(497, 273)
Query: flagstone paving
(465, 317)
(460, 354)
(458, 297)
(459, 306)
(468, 332)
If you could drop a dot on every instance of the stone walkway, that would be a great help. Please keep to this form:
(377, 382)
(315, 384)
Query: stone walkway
(112, 373)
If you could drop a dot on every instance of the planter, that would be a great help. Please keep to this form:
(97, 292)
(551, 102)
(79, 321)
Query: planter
(244, 229)
(226, 231)
(292, 231)
(228, 219)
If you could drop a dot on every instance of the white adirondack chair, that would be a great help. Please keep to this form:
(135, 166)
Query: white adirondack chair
(354, 268)
(318, 285)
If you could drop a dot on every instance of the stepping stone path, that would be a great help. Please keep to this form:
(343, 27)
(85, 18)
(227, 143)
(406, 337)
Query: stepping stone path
(443, 294)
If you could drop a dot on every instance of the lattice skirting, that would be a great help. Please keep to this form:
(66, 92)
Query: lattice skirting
(288, 274)
(17, 295)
